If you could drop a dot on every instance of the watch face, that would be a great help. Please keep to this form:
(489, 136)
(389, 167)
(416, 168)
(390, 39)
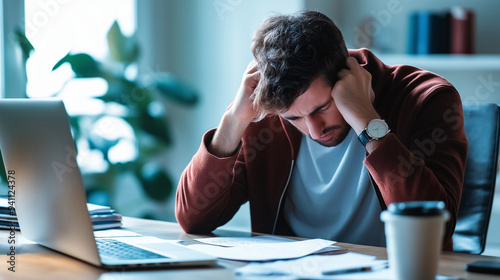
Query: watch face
(377, 128)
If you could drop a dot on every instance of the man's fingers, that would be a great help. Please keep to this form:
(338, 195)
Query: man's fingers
(252, 79)
(252, 75)
(342, 73)
(252, 66)
(255, 75)
(353, 67)
(352, 63)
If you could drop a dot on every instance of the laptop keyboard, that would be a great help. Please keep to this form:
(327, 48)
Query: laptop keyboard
(113, 250)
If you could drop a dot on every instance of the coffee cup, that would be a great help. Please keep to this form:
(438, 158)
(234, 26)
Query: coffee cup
(414, 233)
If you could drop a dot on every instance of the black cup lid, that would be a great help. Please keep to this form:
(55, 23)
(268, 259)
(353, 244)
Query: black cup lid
(417, 208)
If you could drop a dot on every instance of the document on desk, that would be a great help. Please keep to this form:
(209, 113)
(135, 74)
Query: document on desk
(255, 250)
(262, 239)
(309, 267)
(240, 241)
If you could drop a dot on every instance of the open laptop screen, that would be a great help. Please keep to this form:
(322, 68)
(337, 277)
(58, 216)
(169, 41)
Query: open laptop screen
(50, 200)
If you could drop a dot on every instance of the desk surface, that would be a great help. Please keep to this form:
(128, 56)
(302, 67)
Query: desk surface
(36, 262)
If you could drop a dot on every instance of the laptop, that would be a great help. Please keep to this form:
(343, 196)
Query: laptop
(40, 154)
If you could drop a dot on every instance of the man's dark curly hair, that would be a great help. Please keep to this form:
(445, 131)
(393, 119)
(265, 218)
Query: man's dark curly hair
(291, 51)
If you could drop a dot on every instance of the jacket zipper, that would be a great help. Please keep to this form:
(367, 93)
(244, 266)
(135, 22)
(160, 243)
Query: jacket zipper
(282, 196)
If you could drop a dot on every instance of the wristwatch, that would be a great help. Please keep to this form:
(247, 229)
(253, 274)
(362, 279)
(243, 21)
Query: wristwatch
(375, 130)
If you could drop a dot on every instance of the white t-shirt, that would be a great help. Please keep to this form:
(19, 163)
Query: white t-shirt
(331, 196)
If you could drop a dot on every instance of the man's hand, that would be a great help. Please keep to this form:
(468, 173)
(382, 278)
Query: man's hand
(237, 117)
(354, 96)
(242, 108)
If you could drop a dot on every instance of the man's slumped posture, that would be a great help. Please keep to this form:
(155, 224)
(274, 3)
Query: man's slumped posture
(320, 139)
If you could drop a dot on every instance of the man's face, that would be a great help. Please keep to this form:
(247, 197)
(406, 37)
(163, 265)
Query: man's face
(315, 114)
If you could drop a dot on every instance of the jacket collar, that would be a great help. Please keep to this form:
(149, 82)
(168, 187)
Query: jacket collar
(294, 136)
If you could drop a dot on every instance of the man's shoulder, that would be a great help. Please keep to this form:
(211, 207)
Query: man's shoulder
(397, 75)
(402, 80)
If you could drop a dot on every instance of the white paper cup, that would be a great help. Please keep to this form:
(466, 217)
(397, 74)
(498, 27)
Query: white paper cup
(414, 233)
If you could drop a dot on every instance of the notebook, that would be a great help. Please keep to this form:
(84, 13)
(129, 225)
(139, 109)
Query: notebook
(50, 201)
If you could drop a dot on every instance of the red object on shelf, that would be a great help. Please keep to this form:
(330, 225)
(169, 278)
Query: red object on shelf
(462, 30)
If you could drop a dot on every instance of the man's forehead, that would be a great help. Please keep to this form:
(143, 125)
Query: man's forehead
(315, 97)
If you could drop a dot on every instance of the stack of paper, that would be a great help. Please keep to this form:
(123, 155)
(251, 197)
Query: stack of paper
(103, 217)
(7, 214)
(264, 248)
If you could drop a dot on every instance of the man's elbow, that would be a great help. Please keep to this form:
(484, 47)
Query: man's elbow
(191, 221)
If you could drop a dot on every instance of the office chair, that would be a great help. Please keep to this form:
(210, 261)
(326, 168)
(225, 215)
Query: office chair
(482, 131)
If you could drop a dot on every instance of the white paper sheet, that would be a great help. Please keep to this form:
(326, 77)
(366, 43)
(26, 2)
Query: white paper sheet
(240, 241)
(263, 239)
(310, 267)
(264, 251)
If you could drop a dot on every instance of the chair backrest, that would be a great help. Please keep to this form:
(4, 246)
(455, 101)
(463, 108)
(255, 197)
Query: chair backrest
(482, 131)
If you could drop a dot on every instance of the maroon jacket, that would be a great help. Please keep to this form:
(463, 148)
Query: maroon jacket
(422, 158)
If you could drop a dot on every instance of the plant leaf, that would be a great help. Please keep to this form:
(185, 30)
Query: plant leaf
(74, 122)
(127, 93)
(122, 48)
(156, 126)
(172, 88)
(155, 181)
(24, 43)
(82, 64)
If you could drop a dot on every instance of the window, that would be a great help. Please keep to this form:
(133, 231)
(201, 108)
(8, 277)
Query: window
(58, 27)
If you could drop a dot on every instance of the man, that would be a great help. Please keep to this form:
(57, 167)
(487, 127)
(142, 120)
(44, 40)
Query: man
(320, 140)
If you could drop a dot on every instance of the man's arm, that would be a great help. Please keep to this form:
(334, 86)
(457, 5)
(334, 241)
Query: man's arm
(407, 173)
(432, 166)
(354, 96)
(211, 189)
(237, 117)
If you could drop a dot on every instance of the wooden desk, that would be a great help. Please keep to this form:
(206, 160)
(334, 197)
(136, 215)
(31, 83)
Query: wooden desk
(36, 262)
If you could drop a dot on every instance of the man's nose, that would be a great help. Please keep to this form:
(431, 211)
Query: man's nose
(315, 125)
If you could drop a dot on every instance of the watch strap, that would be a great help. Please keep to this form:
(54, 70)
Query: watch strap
(364, 138)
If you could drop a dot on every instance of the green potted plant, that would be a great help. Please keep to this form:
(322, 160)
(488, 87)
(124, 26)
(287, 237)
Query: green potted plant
(142, 103)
